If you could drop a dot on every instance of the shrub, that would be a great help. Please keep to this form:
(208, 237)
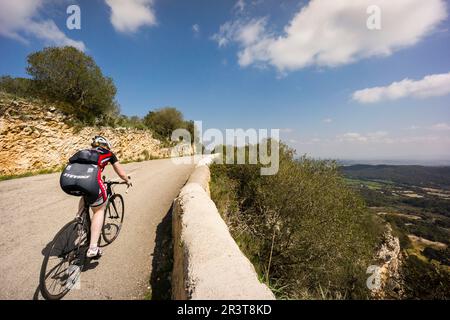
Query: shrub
(68, 75)
(303, 228)
(20, 87)
(165, 120)
(425, 280)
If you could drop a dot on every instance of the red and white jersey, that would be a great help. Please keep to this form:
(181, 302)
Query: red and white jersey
(105, 157)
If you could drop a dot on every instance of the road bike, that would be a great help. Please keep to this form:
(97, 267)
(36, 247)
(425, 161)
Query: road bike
(65, 256)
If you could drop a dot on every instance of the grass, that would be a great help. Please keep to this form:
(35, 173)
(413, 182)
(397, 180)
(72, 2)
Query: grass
(59, 169)
(373, 185)
(30, 174)
(148, 294)
(151, 157)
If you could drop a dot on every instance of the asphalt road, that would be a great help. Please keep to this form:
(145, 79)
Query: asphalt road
(33, 209)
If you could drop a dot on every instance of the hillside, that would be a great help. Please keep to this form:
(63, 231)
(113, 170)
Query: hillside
(405, 174)
(36, 136)
(415, 200)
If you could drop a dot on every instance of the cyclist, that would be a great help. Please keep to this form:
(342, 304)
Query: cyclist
(91, 163)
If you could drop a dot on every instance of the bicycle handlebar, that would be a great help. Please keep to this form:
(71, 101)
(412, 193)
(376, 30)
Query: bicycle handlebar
(109, 182)
(114, 182)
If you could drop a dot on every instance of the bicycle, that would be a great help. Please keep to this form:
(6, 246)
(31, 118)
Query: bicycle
(69, 246)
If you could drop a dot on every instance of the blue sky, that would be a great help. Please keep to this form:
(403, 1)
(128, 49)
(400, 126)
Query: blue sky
(308, 68)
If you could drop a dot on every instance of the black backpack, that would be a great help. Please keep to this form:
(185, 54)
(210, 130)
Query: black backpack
(80, 176)
(87, 156)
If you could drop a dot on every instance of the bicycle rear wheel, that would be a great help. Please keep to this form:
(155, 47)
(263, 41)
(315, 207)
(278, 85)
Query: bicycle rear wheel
(64, 260)
(114, 213)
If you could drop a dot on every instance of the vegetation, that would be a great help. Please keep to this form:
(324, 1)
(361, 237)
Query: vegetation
(31, 173)
(307, 233)
(75, 83)
(69, 75)
(424, 280)
(21, 87)
(413, 211)
(165, 120)
(406, 174)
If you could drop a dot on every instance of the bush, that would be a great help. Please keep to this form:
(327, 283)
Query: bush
(129, 122)
(20, 87)
(68, 75)
(425, 280)
(303, 228)
(165, 120)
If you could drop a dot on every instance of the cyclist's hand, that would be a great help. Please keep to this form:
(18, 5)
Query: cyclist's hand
(128, 182)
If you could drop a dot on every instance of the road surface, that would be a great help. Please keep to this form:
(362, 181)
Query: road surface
(33, 209)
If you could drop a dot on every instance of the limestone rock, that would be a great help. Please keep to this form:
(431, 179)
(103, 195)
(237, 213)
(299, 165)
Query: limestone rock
(389, 256)
(37, 136)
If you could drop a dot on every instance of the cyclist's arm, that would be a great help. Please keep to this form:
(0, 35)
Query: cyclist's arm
(120, 172)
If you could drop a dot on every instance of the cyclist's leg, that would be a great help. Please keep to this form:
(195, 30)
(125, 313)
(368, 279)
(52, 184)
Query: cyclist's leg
(98, 209)
(97, 224)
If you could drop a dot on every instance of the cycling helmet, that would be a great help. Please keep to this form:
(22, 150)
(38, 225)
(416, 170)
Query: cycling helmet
(99, 141)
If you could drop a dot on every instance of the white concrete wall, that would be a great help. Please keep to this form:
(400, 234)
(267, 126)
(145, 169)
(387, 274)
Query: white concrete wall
(208, 263)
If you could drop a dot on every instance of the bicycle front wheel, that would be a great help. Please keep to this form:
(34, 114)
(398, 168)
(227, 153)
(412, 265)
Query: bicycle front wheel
(114, 213)
(63, 261)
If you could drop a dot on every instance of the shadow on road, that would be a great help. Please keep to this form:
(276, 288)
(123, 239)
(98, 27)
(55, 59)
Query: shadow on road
(64, 237)
(160, 279)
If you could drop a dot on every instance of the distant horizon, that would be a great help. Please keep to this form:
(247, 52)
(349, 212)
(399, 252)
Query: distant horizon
(418, 162)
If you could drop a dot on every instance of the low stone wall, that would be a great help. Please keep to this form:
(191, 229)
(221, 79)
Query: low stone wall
(208, 263)
(36, 136)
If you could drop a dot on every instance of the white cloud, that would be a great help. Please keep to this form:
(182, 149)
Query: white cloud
(20, 19)
(327, 120)
(128, 16)
(441, 127)
(352, 136)
(196, 28)
(239, 6)
(332, 33)
(378, 137)
(430, 86)
(246, 33)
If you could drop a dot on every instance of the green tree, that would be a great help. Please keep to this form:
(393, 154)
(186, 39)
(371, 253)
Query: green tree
(21, 87)
(165, 120)
(193, 130)
(69, 75)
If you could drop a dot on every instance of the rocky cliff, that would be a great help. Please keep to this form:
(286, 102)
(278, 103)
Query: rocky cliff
(37, 136)
(389, 257)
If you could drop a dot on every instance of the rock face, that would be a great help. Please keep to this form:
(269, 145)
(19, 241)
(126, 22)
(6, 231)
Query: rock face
(36, 136)
(390, 259)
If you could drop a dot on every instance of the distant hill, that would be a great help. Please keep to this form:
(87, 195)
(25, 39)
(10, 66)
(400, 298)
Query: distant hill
(399, 162)
(405, 174)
